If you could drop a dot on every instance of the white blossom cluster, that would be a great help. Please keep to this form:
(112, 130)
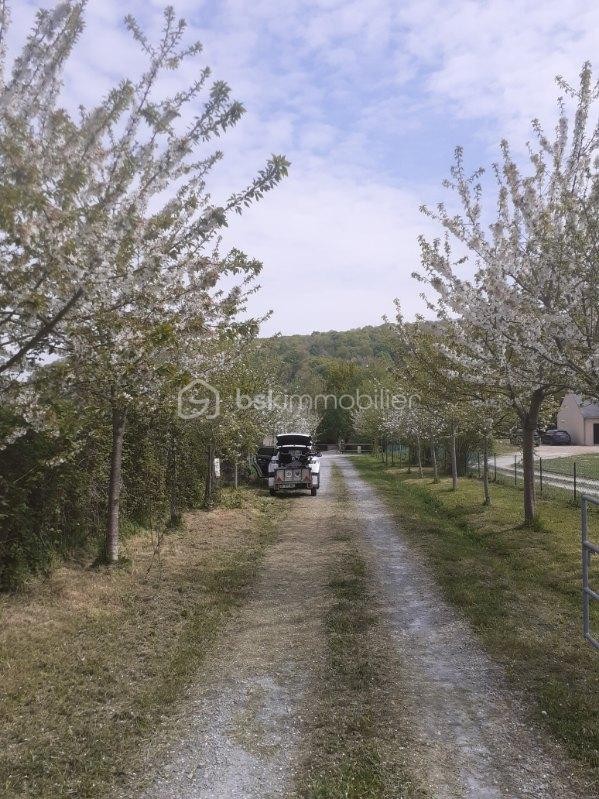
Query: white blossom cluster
(109, 252)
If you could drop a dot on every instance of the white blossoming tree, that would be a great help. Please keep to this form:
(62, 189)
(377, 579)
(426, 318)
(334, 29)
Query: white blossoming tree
(502, 344)
(425, 369)
(555, 218)
(149, 303)
(456, 406)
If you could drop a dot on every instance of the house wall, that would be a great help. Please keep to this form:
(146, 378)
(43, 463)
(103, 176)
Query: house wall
(570, 418)
(589, 430)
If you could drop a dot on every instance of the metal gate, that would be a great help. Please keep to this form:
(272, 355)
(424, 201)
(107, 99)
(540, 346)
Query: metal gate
(588, 550)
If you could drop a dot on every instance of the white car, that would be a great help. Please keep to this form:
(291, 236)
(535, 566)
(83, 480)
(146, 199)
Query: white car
(295, 465)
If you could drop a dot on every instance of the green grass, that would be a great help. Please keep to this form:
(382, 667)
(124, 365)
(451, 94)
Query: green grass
(92, 660)
(586, 466)
(352, 766)
(349, 754)
(520, 589)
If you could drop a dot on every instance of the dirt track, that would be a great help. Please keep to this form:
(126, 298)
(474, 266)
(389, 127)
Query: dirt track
(240, 734)
(244, 730)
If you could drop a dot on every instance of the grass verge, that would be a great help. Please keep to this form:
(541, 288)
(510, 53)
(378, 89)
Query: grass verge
(519, 588)
(586, 466)
(92, 660)
(353, 753)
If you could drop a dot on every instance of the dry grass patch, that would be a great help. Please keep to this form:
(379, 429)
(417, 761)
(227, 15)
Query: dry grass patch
(92, 659)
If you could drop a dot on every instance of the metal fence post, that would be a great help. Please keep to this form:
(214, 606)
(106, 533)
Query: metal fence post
(574, 479)
(495, 467)
(588, 549)
(478, 464)
(541, 474)
(584, 526)
(515, 472)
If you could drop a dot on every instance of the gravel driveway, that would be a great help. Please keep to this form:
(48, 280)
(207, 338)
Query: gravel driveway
(244, 729)
(472, 737)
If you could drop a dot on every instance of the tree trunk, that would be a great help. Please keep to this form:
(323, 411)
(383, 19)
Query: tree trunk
(236, 474)
(454, 459)
(530, 421)
(208, 491)
(419, 455)
(434, 460)
(175, 511)
(486, 471)
(528, 475)
(115, 484)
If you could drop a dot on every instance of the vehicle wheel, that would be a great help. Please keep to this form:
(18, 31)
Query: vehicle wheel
(313, 491)
(272, 492)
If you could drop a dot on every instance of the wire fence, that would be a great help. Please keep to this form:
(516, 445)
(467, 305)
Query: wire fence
(396, 454)
(560, 477)
(564, 477)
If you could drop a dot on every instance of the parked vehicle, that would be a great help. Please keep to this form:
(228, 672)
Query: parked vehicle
(556, 437)
(262, 459)
(295, 464)
(516, 436)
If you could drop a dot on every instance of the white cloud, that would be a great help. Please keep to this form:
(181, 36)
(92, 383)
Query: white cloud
(336, 253)
(496, 61)
(356, 93)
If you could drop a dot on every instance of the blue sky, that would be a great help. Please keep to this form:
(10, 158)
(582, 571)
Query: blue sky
(368, 100)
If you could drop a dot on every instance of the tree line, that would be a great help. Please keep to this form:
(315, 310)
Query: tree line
(513, 280)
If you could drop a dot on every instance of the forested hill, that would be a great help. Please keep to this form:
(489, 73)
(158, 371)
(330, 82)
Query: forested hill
(367, 347)
(334, 362)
